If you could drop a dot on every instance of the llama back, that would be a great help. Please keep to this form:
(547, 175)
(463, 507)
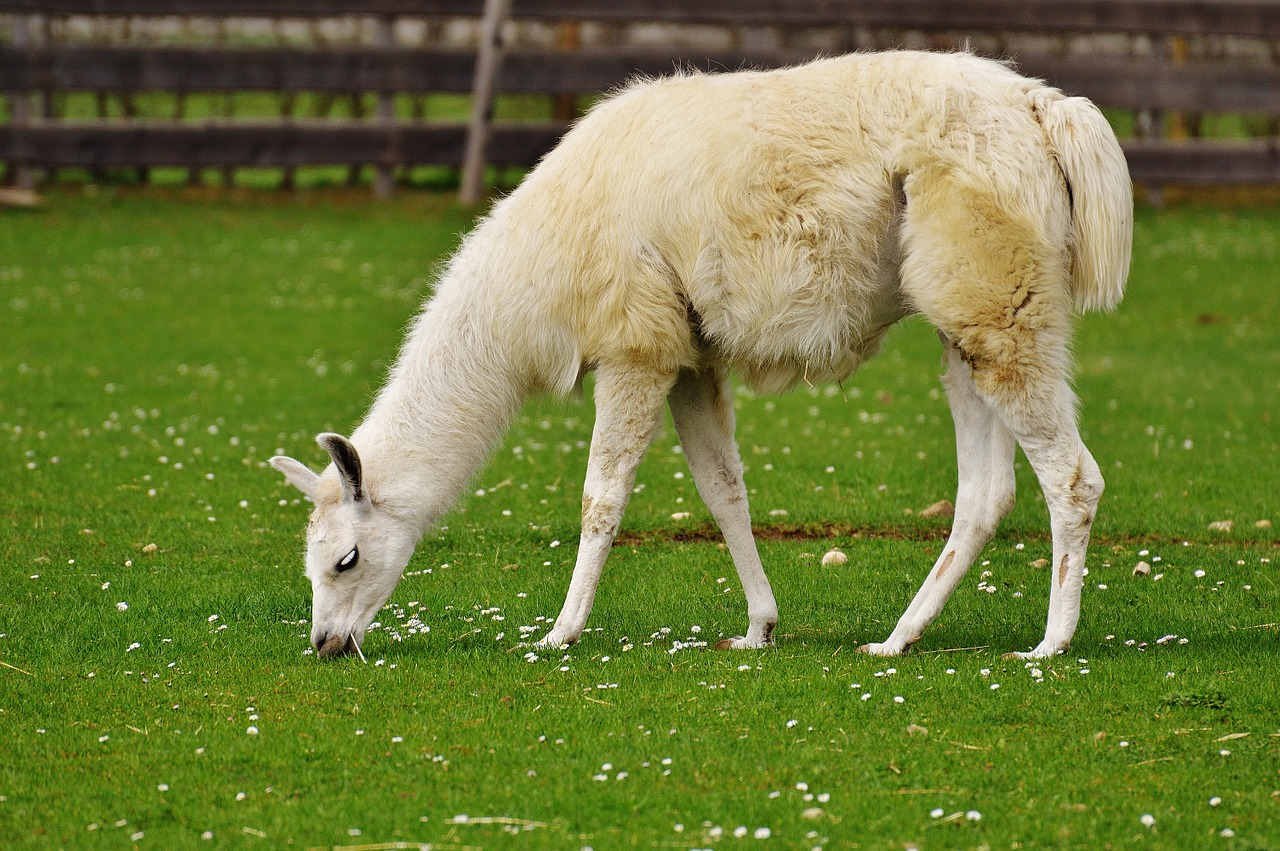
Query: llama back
(759, 212)
(747, 211)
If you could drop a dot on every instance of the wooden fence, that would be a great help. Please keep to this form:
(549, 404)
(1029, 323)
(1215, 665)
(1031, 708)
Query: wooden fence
(1150, 57)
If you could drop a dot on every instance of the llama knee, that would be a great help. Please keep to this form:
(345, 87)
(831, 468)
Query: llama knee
(1086, 488)
(982, 509)
(600, 516)
(1079, 494)
(1004, 496)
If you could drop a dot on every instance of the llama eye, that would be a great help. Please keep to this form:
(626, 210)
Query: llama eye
(349, 560)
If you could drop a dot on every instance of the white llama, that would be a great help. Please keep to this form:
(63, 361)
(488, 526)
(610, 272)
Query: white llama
(776, 224)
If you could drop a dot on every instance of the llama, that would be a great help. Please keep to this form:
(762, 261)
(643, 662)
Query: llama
(775, 224)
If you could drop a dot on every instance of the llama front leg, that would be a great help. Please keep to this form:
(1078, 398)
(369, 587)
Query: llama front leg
(628, 402)
(702, 407)
(984, 453)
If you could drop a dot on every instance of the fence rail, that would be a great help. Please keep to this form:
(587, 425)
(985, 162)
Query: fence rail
(1126, 83)
(34, 69)
(1258, 18)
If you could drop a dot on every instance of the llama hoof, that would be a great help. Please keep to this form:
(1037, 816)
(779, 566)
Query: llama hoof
(741, 642)
(879, 650)
(759, 634)
(553, 642)
(1043, 650)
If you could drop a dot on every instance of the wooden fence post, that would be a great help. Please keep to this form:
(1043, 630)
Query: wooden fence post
(488, 61)
(21, 108)
(384, 172)
(564, 107)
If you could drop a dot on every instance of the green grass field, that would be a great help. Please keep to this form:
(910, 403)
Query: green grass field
(156, 687)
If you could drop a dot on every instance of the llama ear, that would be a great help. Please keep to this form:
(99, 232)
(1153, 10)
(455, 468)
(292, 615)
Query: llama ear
(347, 460)
(298, 474)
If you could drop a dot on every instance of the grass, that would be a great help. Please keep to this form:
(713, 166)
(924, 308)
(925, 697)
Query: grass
(157, 351)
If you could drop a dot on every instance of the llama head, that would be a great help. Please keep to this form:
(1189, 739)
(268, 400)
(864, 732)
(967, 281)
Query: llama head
(356, 551)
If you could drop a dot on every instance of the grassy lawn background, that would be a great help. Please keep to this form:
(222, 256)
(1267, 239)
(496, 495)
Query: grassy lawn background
(158, 350)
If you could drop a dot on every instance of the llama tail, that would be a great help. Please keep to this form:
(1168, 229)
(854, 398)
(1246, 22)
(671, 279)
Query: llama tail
(1101, 195)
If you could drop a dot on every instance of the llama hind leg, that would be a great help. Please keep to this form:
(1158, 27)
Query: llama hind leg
(702, 408)
(628, 402)
(1030, 394)
(1072, 485)
(984, 452)
(987, 260)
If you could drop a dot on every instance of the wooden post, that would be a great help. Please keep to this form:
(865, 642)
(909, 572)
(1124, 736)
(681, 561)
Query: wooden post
(228, 103)
(569, 39)
(288, 108)
(1178, 58)
(21, 111)
(383, 175)
(488, 61)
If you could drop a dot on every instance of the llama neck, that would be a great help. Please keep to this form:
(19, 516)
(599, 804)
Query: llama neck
(447, 404)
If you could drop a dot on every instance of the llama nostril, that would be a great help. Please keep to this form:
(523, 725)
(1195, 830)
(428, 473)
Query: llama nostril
(318, 639)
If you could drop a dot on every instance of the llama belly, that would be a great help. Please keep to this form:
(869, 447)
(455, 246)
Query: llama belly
(786, 314)
(777, 374)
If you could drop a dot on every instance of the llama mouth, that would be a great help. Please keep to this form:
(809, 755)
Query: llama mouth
(338, 644)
